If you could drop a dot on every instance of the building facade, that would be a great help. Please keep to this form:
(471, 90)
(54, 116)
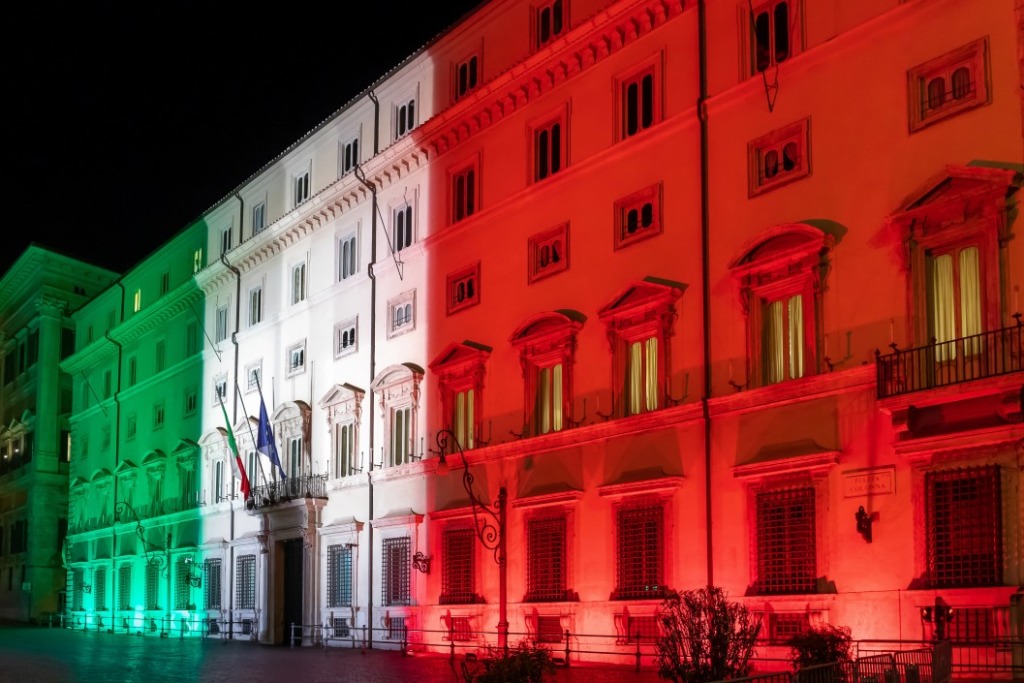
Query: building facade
(719, 292)
(38, 295)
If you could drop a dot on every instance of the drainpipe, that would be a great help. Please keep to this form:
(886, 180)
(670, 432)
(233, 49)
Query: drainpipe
(234, 397)
(117, 453)
(705, 261)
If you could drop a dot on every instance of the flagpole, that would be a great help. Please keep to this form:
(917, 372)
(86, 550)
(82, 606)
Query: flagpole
(236, 458)
(248, 423)
(268, 433)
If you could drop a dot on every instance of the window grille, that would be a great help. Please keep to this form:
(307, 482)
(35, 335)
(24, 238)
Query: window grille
(460, 630)
(340, 627)
(212, 587)
(396, 628)
(152, 587)
(779, 627)
(246, 627)
(545, 549)
(973, 624)
(549, 629)
(339, 576)
(246, 582)
(181, 572)
(99, 589)
(124, 587)
(457, 579)
(77, 589)
(964, 523)
(640, 535)
(396, 571)
(785, 542)
(644, 629)
(213, 626)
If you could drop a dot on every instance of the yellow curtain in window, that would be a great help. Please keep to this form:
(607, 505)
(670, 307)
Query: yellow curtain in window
(796, 336)
(635, 379)
(556, 398)
(651, 348)
(543, 401)
(774, 350)
(970, 299)
(943, 308)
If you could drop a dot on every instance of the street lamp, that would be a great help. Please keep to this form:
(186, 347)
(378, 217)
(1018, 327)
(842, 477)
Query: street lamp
(489, 524)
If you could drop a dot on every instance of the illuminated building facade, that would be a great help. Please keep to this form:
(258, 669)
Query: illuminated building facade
(638, 256)
(38, 294)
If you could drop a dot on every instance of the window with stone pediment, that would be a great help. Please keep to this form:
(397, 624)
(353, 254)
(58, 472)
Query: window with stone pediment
(547, 350)
(343, 404)
(460, 372)
(291, 422)
(640, 325)
(781, 276)
(949, 84)
(398, 394)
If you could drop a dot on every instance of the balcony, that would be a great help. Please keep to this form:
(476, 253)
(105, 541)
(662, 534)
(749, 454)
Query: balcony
(293, 488)
(943, 364)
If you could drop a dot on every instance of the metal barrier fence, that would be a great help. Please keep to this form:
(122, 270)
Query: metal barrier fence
(165, 626)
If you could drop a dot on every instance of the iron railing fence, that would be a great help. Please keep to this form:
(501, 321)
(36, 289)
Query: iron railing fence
(940, 364)
(292, 488)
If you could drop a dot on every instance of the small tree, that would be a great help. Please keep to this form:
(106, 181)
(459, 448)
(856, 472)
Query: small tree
(525, 663)
(824, 644)
(705, 637)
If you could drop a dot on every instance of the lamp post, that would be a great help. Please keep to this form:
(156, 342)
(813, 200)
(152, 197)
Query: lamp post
(489, 523)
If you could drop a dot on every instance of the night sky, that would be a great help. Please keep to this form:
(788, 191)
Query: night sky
(123, 122)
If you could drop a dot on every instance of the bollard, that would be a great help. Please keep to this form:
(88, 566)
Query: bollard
(638, 653)
(566, 648)
(291, 637)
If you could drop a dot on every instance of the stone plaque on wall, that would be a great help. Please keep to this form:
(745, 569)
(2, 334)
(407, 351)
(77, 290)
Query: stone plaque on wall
(869, 482)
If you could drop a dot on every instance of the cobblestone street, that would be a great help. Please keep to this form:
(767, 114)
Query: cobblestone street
(30, 655)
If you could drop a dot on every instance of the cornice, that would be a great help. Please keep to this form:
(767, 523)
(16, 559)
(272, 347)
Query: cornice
(152, 317)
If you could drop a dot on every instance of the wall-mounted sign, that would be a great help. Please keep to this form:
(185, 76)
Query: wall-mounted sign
(869, 482)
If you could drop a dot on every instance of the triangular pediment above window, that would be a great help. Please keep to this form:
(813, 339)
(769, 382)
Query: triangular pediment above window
(186, 448)
(640, 298)
(155, 457)
(458, 357)
(970, 187)
(545, 326)
(340, 393)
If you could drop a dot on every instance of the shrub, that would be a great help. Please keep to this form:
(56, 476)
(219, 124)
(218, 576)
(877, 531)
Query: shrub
(822, 644)
(525, 663)
(705, 637)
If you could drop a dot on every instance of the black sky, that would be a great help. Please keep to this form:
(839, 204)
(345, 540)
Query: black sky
(125, 121)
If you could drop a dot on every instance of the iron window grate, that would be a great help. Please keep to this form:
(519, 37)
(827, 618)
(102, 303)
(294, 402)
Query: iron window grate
(460, 630)
(124, 587)
(396, 571)
(640, 536)
(213, 586)
(77, 589)
(778, 627)
(396, 628)
(545, 549)
(786, 553)
(549, 629)
(152, 587)
(339, 576)
(644, 629)
(964, 523)
(340, 626)
(100, 589)
(181, 584)
(458, 580)
(245, 570)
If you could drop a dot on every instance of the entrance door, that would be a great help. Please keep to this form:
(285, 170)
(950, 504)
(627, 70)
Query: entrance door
(293, 590)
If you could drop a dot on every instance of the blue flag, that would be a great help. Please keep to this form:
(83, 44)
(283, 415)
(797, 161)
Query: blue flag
(265, 439)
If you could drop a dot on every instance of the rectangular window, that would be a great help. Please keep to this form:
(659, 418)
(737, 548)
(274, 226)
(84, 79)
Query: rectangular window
(133, 371)
(464, 193)
(192, 337)
(297, 358)
(638, 216)
(152, 587)
(218, 481)
(347, 261)
(255, 305)
(221, 324)
(466, 76)
(158, 415)
(77, 590)
(396, 571)
(299, 283)
(779, 157)
(197, 260)
(348, 156)
(546, 562)
(191, 401)
(165, 283)
(107, 383)
(778, 627)
(124, 587)
(548, 403)
(259, 218)
(963, 517)
(639, 102)
(344, 449)
(642, 376)
(339, 576)
(220, 389)
(640, 537)
(136, 301)
(212, 584)
(99, 588)
(955, 298)
(345, 338)
(949, 84)
(245, 577)
(401, 436)
(783, 339)
(464, 288)
(549, 144)
(253, 376)
(548, 253)
(463, 419)
(131, 427)
(549, 22)
(774, 34)
(405, 117)
(295, 458)
(300, 188)
(402, 314)
(457, 578)
(225, 240)
(786, 555)
(401, 228)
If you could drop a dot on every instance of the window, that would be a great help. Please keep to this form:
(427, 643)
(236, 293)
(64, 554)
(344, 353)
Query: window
(165, 283)
(774, 34)
(949, 84)
(638, 216)
(548, 253)
(463, 288)
(131, 427)
(786, 556)
(549, 148)
(955, 295)
(398, 388)
(344, 450)
(639, 542)
(245, 577)
(466, 76)
(296, 358)
(458, 571)
(299, 283)
(253, 376)
(546, 346)
(133, 371)
(339, 576)
(212, 584)
(780, 283)
(300, 188)
(639, 100)
(158, 415)
(105, 441)
(460, 373)
(220, 389)
(778, 158)
(255, 305)
(402, 314)
(400, 436)
(550, 22)
(136, 301)
(347, 257)
(77, 590)
(464, 193)
(99, 588)
(401, 227)
(197, 260)
(191, 401)
(348, 156)
(218, 481)
(192, 337)
(152, 587)
(225, 240)
(396, 571)
(221, 324)
(546, 560)
(778, 627)
(345, 340)
(639, 324)
(259, 218)
(405, 117)
(124, 587)
(295, 458)
(963, 521)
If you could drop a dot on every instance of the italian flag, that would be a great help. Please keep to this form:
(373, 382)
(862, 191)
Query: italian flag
(236, 464)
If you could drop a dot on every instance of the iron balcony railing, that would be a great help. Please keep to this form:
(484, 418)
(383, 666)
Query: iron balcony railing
(947, 363)
(292, 488)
